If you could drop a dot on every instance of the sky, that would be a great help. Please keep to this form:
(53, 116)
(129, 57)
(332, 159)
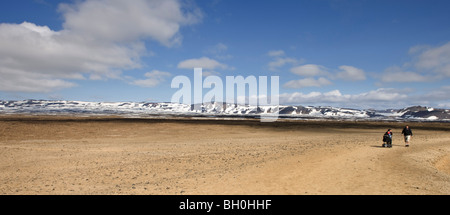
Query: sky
(344, 53)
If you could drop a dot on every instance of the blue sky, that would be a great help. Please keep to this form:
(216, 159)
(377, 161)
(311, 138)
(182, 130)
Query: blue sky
(362, 53)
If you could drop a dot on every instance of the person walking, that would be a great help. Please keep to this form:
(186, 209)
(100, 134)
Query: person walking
(407, 133)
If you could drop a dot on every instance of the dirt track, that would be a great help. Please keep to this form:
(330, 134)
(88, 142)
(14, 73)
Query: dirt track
(60, 155)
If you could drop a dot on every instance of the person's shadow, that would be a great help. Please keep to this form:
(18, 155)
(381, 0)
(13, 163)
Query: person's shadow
(380, 146)
(377, 146)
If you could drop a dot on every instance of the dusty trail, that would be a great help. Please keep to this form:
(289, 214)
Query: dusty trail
(358, 170)
(142, 157)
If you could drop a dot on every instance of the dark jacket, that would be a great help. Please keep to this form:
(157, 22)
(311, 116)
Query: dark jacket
(407, 131)
(387, 137)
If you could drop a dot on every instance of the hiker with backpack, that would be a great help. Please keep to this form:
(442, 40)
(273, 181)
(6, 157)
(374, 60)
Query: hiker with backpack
(387, 139)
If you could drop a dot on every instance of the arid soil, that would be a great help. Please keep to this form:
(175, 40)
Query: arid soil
(111, 155)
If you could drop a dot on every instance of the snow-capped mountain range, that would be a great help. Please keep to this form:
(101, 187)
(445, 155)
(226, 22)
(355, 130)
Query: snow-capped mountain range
(145, 109)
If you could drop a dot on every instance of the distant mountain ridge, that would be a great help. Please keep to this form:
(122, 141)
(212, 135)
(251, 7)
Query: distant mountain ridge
(217, 109)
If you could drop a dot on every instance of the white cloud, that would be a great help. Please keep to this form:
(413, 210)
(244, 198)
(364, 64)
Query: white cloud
(204, 62)
(100, 39)
(441, 94)
(351, 73)
(397, 74)
(435, 60)
(309, 70)
(37, 51)
(124, 21)
(154, 78)
(276, 53)
(217, 49)
(12, 80)
(418, 49)
(444, 105)
(279, 60)
(377, 98)
(307, 82)
(428, 64)
(379, 95)
(210, 73)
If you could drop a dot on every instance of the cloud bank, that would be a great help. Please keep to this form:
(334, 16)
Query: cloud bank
(372, 99)
(99, 40)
